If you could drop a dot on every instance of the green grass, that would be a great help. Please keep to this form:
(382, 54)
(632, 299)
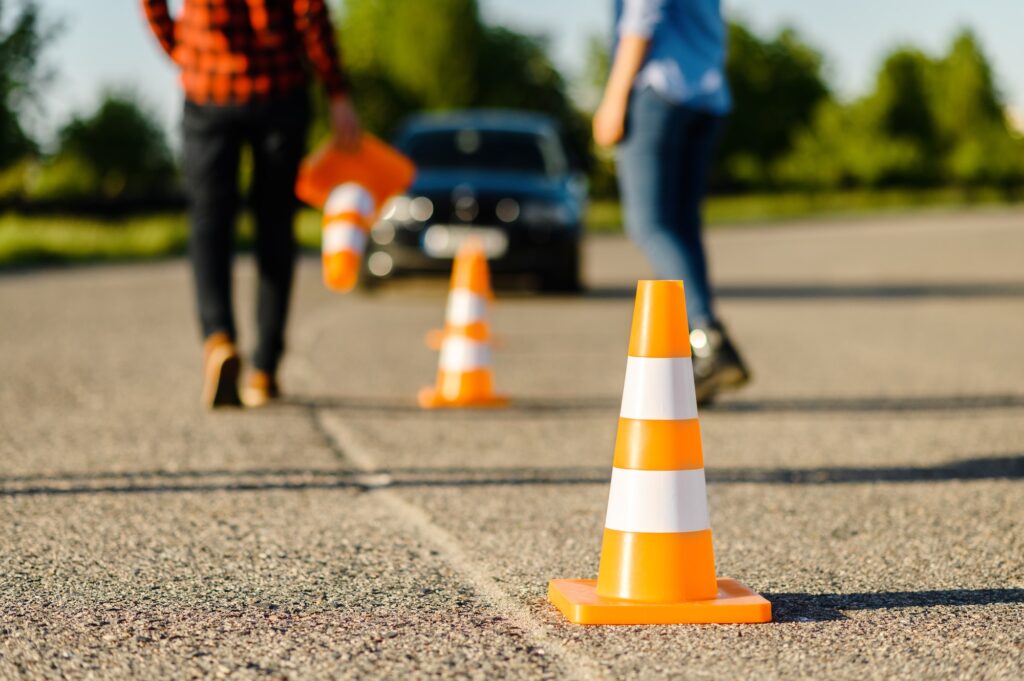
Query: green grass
(70, 239)
(37, 240)
(606, 216)
(31, 240)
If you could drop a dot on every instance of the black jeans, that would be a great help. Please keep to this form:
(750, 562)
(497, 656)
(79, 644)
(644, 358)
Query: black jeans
(213, 137)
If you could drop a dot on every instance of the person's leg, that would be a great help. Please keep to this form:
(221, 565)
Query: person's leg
(651, 163)
(278, 138)
(717, 364)
(699, 132)
(212, 146)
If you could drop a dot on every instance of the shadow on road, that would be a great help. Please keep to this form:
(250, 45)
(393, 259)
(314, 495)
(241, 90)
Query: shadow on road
(525, 407)
(842, 291)
(802, 607)
(869, 404)
(144, 482)
(519, 407)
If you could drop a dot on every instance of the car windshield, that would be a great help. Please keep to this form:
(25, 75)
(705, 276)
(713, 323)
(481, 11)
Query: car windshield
(495, 150)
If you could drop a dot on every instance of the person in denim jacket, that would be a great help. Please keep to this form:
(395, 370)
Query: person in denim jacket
(663, 106)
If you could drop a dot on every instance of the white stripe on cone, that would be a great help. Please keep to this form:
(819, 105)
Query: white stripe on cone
(349, 198)
(462, 354)
(343, 236)
(657, 501)
(659, 389)
(465, 307)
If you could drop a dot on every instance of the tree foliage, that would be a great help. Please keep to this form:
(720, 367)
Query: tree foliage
(23, 35)
(776, 85)
(408, 55)
(118, 150)
(928, 121)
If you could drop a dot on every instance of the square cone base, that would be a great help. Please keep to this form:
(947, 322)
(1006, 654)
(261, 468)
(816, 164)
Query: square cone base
(429, 398)
(734, 604)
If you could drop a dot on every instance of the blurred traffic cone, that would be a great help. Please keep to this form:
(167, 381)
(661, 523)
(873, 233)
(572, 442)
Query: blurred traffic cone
(374, 165)
(348, 214)
(464, 369)
(469, 297)
(657, 561)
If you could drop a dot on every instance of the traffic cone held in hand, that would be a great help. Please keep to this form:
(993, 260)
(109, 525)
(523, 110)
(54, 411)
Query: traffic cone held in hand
(376, 166)
(657, 561)
(348, 215)
(349, 185)
(464, 368)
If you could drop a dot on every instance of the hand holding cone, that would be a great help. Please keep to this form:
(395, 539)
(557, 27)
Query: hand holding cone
(657, 560)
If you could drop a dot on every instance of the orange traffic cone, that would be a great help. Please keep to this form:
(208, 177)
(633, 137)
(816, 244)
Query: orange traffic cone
(348, 214)
(378, 167)
(469, 297)
(464, 369)
(657, 561)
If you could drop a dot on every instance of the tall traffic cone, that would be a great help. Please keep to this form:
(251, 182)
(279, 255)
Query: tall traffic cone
(469, 297)
(348, 215)
(464, 376)
(657, 561)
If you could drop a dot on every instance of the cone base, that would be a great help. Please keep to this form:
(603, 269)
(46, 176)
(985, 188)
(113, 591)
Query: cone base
(734, 604)
(429, 398)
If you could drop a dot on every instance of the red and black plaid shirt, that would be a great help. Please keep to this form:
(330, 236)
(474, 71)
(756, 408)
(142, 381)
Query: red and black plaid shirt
(237, 51)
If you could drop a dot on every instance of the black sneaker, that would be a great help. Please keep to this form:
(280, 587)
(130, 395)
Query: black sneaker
(717, 365)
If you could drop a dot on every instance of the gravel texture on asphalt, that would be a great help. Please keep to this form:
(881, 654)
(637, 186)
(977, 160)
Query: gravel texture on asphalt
(869, 482)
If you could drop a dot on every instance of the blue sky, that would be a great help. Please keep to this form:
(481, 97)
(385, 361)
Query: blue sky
(105, 42)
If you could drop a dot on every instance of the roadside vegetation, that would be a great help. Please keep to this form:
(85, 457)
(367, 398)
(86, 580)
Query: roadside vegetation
(933, 131)
(68, 239)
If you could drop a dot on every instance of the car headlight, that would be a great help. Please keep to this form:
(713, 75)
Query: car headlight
(397, 209)
(404, 210)
(546, 213)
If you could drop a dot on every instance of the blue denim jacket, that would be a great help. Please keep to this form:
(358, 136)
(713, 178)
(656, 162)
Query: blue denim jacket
(686, 60)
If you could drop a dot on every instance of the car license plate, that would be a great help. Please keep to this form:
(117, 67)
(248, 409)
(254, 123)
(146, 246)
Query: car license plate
(443, 241)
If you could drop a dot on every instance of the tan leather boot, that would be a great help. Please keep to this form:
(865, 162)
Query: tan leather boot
(221, 367)
(260, 389)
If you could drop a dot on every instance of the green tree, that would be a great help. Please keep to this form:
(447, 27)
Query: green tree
(428, 51)
(22, 39)
(776, 86)
(407, 55)
(903, 99)
(118, 150)
(965, 96)
(970, 116)
(845, 147)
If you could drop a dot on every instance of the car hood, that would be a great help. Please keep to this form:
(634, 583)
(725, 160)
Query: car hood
(443, 182)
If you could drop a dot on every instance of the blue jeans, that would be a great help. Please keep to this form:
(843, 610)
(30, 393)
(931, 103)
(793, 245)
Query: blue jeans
(663, 163)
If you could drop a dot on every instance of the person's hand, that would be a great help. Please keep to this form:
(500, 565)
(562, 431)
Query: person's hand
(344, 124)
(609, 122)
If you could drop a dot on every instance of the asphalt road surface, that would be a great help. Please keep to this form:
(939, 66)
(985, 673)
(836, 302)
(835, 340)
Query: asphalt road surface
(869, 482)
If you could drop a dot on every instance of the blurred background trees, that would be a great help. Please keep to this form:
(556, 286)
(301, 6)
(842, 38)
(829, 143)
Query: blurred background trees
(117, 151)
(406, 56)
(928, 121)
(22, 36)
(776, 86)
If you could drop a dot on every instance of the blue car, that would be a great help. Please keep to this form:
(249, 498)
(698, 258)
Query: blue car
(502, 176)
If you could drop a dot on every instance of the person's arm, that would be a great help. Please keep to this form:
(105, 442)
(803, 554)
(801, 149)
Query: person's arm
(639, 19)
(314, 25)
(161, 23)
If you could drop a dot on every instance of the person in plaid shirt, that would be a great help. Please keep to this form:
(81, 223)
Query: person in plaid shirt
(245, 70)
